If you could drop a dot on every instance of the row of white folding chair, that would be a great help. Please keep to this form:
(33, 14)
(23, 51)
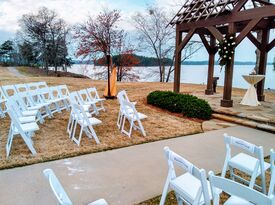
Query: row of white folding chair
(10, 90)
(81, 116)
(25, 126)
(3, 101)
(127, 111)
(193, 187)
(59, 192)
(251, 162)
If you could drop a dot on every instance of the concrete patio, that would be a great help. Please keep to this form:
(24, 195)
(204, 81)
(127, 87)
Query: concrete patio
(123, 176)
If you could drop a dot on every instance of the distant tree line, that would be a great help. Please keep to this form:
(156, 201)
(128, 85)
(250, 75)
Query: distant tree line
(41, 41)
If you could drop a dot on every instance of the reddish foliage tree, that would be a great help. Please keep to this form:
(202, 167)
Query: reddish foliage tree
(100, 36)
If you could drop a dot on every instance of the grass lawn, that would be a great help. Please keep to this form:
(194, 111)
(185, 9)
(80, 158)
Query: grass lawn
(52, 142)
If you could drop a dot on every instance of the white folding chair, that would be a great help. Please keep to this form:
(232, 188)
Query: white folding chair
(254, 166)
(122, 95)
(239, 194)
(271, 191)
(57, 95)
(9, 90)
(191, 187)
(74, 99)
(26, 131)
(25, 108)
(93, 94)
(59, 191)
(18, 112)
(130, 113)
(86, 123)
(64, 92)
(85, 99)
(21, 87)
(46, 97)
(3, 101)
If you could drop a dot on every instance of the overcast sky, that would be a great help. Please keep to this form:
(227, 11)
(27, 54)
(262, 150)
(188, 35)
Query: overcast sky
(74, 11)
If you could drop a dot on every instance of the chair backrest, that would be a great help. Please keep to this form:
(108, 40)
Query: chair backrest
(184, 164)
(92, 92)
(271, 190)
(9, 90)
(45, 93)
(83, 95)
(80, 113)
(21, 87)
(14, 106)
(122, 95)
(129, 109)
(54, 92)
(57, 188)
(63, 90)
(239, 190)
(74, 98)
(36, 85)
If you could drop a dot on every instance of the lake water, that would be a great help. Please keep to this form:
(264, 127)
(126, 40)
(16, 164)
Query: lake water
(196, 74)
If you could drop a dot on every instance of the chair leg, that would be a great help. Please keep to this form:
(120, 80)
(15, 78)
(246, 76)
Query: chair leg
(164, 192)
(94, 134)
(141, 128)
(118, 120)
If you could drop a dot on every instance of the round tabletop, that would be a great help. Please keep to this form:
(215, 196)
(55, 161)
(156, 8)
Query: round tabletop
(253, 79)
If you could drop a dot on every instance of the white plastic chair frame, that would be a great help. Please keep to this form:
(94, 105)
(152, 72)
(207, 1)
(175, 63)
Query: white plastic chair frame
(3, 101)
(240, 194)
(36, 102)
(59, 192)
(130, 113)
(122, 95)
(271, 191)
(257, 151)
(26, 110)
(57, 95)
(202, 190)
(18, 112)
(93, 94)
(86, 124)
(26, 131)
(85, 99)
(46, 97)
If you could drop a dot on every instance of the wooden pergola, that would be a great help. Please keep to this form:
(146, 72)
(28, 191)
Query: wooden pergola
(211, 20)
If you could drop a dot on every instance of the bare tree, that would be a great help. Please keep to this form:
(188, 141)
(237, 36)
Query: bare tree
(47, 34)
(155, 35)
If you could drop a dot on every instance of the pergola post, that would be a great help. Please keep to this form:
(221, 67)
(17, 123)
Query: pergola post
(227, 89)
(177, 66)
(211, 63)
(263, 63)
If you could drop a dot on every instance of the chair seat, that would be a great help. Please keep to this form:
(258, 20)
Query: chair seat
(29, 112)
(28, 127)
(87, 114)
(92, 120)
(140, 115)
(246, 163)
(234, 200)
(188, 185)
(99, 202)
(27, 119)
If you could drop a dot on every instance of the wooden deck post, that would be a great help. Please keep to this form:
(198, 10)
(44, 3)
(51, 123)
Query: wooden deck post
(227, 89)
(177, 62)
(263, 63)
(211, 63)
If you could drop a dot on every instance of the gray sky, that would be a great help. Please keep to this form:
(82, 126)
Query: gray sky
(74, 11)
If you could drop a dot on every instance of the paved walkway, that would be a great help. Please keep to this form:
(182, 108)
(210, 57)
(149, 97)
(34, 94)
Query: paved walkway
(15, 72)
(123, 176)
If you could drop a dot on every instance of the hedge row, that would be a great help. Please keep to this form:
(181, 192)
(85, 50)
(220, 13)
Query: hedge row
(188, 105)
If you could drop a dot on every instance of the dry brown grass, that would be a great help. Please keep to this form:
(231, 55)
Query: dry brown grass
(51, 141)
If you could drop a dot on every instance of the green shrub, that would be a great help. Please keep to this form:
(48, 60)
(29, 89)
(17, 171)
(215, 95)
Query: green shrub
(188, 105)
